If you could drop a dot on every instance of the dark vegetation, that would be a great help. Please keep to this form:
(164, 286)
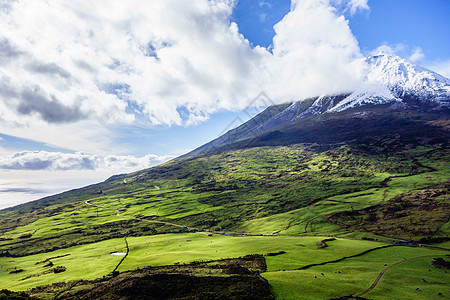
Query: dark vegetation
(275, 253)
(323, 243)
(441, 263)
(246, 175)
(414, 215)
(224, 279)
(56, 270)
(10, 295)
(386, 127)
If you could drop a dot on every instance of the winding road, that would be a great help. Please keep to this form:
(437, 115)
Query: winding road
(377, 280)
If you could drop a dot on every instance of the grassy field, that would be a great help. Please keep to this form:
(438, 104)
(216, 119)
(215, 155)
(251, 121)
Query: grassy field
(94, 260)
(185, 248)
(296, 196)
(354, 275)
(347, 277)
(81, 262)
(313, 219)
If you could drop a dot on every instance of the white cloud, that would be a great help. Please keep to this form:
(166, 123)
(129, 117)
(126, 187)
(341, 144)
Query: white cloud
(262, 18)
(58, 161)
(416, 55)
(31, 175)
(352, 6)
(356, 5)
(389, 49)
(20, 186)
(76, 69)
(313, 52)
(92, 59)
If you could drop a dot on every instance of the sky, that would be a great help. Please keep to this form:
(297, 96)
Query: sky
(89, 89)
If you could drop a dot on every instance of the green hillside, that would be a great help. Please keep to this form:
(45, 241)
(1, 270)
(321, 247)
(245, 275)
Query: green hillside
(341, 205)
(277, 202)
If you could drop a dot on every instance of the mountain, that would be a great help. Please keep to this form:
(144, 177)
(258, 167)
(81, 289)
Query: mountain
(394, 95)
(402, 78)
(314, 197)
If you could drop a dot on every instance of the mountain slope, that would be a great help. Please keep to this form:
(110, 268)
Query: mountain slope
(397, 97)
(297, 195)
(402, 77)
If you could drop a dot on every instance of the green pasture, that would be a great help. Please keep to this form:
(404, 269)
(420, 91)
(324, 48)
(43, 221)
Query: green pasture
(405, 278)
(312, 219)
(94, 260)
(103, 210)
(85, 262)
(288, 191)
(354, 275)
(78, 217)
(171, 249)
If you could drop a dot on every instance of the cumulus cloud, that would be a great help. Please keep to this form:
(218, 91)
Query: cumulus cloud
(313, 52)
(416, 55)
(169, 62)
(356, 5)
(58, 161)
(7, 51)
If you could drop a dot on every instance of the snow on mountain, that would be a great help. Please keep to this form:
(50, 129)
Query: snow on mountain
(389, 78)
(402, 77)
(369, 94)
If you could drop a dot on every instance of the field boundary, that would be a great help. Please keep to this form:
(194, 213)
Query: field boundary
(123, 258)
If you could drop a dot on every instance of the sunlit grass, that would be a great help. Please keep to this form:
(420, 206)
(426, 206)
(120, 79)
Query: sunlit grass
(354, 275)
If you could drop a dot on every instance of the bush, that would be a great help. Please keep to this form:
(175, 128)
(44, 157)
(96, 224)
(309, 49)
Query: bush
(275, 253)
(10, 295)
(59, 269)
(321, 244)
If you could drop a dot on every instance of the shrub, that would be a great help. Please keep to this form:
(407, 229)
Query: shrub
(59, 269)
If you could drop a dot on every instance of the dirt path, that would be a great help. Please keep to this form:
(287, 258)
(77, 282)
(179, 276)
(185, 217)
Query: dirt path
(377, 280)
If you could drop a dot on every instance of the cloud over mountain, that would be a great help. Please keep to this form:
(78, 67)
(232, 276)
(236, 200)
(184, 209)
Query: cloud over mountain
(161, 62)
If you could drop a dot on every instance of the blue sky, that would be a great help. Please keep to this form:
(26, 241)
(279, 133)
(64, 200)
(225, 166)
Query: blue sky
(411, 23)
(208, 62)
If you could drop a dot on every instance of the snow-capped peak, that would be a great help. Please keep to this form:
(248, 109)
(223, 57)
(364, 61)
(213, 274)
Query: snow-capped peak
(389, 78)
(402, 77)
